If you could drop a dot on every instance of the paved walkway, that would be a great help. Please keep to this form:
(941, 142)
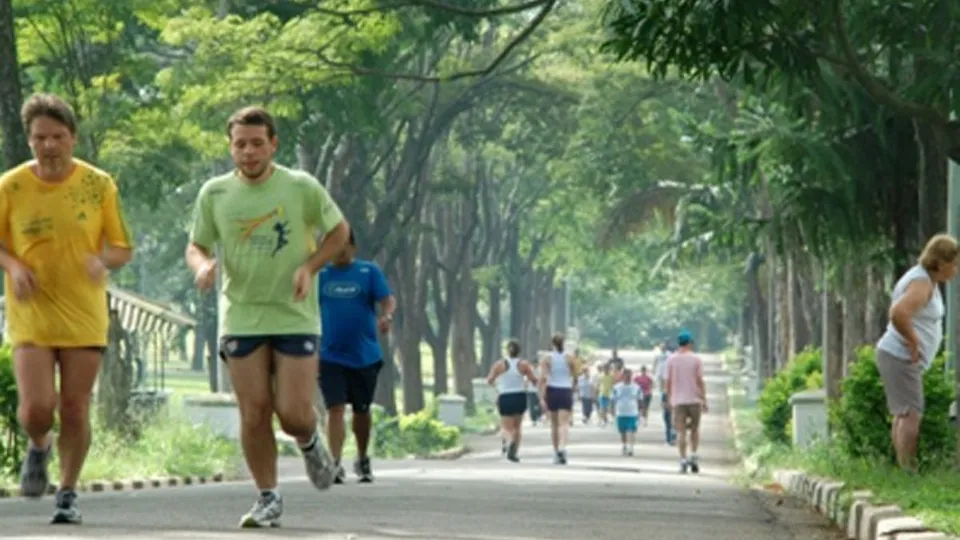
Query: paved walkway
(599, 495)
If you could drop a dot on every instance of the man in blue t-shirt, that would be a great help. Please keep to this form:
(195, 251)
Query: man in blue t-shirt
(350, 357)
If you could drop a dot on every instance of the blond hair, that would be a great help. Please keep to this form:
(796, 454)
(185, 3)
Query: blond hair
(942, 248)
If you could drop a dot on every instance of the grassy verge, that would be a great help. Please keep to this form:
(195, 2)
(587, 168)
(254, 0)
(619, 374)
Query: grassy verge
(168, 446)
(931, 496)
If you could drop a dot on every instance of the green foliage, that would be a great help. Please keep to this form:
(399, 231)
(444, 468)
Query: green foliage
(774, 403)
(418, 434)
(861, 422)
(12, 440)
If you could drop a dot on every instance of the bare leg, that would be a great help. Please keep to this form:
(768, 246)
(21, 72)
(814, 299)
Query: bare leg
(250, 377)
(909, 433)
(564, 428)
(78, 373)
(336, 430)
(362, 424)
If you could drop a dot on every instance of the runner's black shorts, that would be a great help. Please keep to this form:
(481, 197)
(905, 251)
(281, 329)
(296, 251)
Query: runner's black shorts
(342, 385)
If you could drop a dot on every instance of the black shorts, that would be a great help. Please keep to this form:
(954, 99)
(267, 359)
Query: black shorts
(559, 399)
(341, 385)
(512, 404)
(289, 344)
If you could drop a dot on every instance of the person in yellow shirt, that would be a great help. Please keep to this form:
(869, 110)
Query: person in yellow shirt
(604, 392)
(62, 231)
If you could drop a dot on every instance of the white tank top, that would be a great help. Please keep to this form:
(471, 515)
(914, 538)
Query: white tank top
(560, 376)
(927, 322)
(511, 380)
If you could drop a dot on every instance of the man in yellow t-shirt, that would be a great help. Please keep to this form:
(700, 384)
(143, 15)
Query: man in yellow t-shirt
(604, 392)
(62, 231)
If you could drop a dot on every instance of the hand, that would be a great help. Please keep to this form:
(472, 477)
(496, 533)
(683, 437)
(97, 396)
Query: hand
(384, 323)
(703, 408)
(302, 283)
(543, 405)
(914, 353)
(96, 270)
(206, 276)
(24, 282)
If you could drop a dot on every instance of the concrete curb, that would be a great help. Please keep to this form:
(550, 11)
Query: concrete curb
(853, 511)
(99, 486)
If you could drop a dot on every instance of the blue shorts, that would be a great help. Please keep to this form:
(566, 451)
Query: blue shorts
(603, 402)
(627, 424)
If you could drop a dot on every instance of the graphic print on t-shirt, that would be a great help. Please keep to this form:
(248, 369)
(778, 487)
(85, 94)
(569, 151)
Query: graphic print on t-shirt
(263, 238)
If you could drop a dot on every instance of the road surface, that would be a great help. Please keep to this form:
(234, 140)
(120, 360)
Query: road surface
(599, 495)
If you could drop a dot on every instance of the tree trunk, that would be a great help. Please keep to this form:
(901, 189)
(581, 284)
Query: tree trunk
(386, 395)
(758, 309)
(491, 333)
(834, 350)
(15, 149)
(854, 329)
(464, 344)
(411, 297)
(877, 303)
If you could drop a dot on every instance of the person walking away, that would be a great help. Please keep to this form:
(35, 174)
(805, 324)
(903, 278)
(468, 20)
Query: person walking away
(660, 371)
(534, 410)
(265, 218)
(62, 230)
(586, 390)
(687, 394)
(557, 383)
(911, 341)
(626, 399)
(646, 385)
(350, 291)
(509, 375)
(604, 391)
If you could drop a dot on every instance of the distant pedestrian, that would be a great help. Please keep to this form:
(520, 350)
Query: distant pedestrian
(557, 382)
(646, 385)
(509, 375)
(587, 390)
(626, 399)
(687, 394)
(912, 339)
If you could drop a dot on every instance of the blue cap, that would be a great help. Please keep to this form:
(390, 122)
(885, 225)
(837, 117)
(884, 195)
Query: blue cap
(685, 338)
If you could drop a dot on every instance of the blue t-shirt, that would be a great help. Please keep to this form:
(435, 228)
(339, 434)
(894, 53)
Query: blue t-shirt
(348, 311)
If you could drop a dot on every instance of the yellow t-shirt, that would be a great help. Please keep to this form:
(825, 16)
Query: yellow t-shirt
(52, 229)
(605, 385)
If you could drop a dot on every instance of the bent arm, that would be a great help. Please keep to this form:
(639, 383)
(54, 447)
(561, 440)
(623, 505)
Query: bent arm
(197, 257)
(902, 311)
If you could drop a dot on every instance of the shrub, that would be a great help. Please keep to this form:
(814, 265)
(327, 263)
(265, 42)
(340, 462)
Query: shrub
(412, 434)
(13, 440)
(774, 403)
(861, 422)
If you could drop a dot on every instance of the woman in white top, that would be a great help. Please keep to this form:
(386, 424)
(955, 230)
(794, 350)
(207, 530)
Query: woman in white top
(558, 378)
(912, 339)
(510, 375)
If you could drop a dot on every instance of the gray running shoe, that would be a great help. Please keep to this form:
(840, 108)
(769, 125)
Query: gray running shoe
(33, 473)
(266, 512)
(320, 465)
(65, 509)
(363, 470)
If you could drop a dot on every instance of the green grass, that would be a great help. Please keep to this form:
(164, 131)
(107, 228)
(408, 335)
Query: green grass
(169, 446)
(931, 496)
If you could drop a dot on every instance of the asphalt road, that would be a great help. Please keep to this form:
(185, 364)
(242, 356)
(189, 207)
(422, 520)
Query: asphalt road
(598, 495)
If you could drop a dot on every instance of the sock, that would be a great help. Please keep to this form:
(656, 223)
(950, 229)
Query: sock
(309, 445)
(274, 493)
(694, 458)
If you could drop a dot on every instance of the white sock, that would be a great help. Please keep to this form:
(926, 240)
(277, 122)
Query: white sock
(275, 492)
(311, 443)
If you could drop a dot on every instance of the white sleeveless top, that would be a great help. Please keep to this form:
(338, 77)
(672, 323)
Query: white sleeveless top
(511, 380)
(560, 376)
(927, 322)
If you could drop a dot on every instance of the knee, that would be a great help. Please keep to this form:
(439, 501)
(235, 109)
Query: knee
(300, 419)
(336, 413)
(36, 415)
(255, 413)
(74, 410)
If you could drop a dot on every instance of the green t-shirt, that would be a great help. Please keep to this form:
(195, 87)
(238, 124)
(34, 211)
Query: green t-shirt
(266, 231)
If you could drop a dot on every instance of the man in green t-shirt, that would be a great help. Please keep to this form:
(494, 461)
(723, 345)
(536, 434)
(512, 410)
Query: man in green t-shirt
(265, 218)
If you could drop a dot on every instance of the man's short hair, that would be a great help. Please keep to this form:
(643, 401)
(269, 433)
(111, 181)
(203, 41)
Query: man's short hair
(51, 106)
(252, 116)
